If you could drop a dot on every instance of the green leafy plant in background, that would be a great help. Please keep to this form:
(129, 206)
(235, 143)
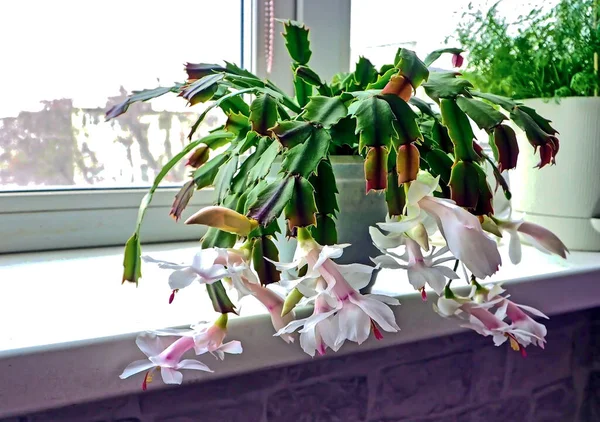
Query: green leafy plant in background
(547, 53)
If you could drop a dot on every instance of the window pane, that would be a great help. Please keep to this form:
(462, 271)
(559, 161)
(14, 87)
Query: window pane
(66, 61)
(380, 27)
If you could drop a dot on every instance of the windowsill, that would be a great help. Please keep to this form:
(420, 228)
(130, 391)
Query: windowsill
(68, 324)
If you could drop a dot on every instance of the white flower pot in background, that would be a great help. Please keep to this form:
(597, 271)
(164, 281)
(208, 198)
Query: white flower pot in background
(357, 212)
(564, 198)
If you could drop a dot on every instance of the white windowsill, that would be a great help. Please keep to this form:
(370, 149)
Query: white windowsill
(67, 325)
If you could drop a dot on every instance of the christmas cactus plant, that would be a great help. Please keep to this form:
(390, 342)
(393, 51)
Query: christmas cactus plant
(422, 154)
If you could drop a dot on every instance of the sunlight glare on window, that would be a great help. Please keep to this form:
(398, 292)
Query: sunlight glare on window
(66, 61)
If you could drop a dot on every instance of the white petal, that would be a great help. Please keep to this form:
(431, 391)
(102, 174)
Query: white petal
(354, 324)
(180, 279)
(447, 307)
(150, 344)
(316, 318)
(447, 272)
(284, 266)
(385, 242)
(425, 185)
(136, 367)
(328, 329)
(171, 376)
(533, 311)
(436, 279)
(193, 364)
(233, 347)
(164, 264)
(385, 299)
(378, 311)
(308, 342)
(205, 259)
(291, 327)
(330, 252)
(386, 261)
(399, 226)
(514, 247)
(357, 275)
(416, 277)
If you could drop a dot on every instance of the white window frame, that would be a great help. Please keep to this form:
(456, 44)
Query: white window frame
(79, 218)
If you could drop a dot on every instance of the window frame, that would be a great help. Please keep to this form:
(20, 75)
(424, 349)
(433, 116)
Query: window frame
(95, 217)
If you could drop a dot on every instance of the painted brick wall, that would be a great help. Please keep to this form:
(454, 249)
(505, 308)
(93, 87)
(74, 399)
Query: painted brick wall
(450, 379)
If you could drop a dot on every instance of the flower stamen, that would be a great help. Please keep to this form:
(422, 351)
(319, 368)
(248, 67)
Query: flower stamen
(376, 331)
(172, 297)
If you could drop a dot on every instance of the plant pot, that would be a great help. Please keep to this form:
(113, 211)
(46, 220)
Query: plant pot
(357, 213)
(564, 198)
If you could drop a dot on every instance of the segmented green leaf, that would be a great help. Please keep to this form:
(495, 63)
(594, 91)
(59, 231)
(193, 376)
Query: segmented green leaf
(326, 111)
(374, 123)
(304, 158)
(484, 115)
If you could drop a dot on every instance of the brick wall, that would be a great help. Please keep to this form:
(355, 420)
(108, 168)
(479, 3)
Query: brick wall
(450, 379)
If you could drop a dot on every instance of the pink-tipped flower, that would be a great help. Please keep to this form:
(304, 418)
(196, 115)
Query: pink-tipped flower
(317, 332)
(421, 270)
(347, 312)
(168, 359)
(274, 304)
(457, 60)
(202, 338)
(484, 322)
(539, 237)
(462, 230)
(520, 320)
(208, 266)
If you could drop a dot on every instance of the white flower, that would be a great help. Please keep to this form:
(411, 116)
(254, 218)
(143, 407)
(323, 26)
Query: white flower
(520, 333)
(349, 314)
(462, 230)
(168, 359)
(318, 331)
(421, 270)
(202, 338)
(539, 237)
(208, 266)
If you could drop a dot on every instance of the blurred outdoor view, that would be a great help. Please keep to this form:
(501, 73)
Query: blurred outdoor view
(66, 61)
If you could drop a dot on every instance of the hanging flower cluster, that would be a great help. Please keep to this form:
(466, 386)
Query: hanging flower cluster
(421, 154)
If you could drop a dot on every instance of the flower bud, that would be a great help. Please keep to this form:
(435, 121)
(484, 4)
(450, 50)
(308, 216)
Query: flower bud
(547, 154)
(198, 157)
(224, 219)
(376, 168)
(506, 148)
(407, 163)
(464, 184)
(182, 199)
(399, 86)
(457, 60)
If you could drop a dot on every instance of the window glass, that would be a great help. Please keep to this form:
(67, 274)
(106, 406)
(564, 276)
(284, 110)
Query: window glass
(380, 27)
(66, 61)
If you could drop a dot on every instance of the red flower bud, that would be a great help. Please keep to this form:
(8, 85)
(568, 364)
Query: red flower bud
(457, 60)
(376, 168)
(399, 86)
(407, 163)
(198, 157)
(546, 155)
(506, 147)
